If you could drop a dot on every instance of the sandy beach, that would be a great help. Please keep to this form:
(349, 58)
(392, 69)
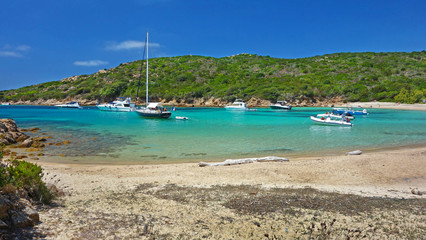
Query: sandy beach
(172, 201)
(385, 105)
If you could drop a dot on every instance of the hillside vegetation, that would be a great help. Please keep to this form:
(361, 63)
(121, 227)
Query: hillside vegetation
(390, 77)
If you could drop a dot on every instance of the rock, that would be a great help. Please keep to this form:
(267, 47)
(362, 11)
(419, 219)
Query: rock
(32, 215)
(37, 145)
(19, 219)
(356, 152)
(26, 143)
(5, 205)
(3, 225)
(415, 191)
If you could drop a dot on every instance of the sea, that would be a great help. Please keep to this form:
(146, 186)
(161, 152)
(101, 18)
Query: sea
(210, 134)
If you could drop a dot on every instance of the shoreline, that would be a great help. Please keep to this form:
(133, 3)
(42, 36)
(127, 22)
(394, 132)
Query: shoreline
(292, 156)
(265, 104)
(413, 159)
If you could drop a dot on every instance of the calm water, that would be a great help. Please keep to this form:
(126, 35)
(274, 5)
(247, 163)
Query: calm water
(211, 133)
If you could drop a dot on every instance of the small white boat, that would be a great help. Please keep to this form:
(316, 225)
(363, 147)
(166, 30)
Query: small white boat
(329, 121)
(69, 105)
(120, 105)
(5, 104)
(283, 105)
(181, 118)
(154, 110)
(238, 104)
(335, 116)
(350, 111)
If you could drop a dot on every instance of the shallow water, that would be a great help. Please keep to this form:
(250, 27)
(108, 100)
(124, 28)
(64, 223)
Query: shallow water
(211, 133)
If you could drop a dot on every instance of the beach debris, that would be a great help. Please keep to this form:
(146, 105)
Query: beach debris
(356, 152)
(229, 162)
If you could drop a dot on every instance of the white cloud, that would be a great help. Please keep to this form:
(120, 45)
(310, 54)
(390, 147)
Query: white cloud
(127, 45)
(91, 63)
(23, 48)
(10, 54)
(11, 51)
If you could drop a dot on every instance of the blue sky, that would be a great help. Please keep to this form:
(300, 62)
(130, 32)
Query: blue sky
(48, 40)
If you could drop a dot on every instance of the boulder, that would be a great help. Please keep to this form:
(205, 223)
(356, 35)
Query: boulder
(26, 143)
(19, 219)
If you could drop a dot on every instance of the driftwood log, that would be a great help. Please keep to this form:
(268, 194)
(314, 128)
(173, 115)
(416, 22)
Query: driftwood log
(356, 152)
(229, 162)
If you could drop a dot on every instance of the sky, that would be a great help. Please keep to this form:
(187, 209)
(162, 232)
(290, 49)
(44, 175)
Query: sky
(48, 40)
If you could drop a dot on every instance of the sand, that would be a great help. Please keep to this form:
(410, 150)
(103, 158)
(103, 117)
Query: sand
(385, 105)
(161, 201)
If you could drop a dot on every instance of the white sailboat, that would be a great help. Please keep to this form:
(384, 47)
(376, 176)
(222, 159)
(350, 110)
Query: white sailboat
(154, 109)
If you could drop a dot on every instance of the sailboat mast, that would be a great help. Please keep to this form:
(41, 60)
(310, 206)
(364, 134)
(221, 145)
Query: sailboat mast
(147, 68)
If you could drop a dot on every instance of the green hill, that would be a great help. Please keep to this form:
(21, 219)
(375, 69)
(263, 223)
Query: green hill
(393, 76)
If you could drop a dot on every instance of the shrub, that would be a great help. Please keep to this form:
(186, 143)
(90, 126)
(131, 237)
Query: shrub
(28, 176)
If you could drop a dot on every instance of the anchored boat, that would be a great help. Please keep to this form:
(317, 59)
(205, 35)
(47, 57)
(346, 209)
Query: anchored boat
(69, 105)
(350, 111)
(330, 121)
(283, 105)
(238, 104)
(120, 105)
(154, 109)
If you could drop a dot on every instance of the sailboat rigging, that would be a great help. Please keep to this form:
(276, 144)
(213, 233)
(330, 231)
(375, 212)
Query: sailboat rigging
(154, 109)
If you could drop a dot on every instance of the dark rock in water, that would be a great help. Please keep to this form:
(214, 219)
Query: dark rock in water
(27, 143)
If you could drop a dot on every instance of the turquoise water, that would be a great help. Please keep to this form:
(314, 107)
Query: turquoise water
(211, 133)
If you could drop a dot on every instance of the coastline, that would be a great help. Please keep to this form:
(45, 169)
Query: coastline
(409, 163)
(256, 103)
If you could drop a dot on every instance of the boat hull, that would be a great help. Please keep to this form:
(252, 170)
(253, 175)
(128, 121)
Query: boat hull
(280, 107)
(351, 112)
(330, 122)
(114, 108)
(236, 108)
(152, 114)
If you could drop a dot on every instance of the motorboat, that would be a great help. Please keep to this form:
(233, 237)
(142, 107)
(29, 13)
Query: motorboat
(350, 111)
(181, 118)
(330, 121)
(120, 105)
(281, 105)
(5, 104)
(69, 105)
(154, 110)
(332, 115)
(238, 104)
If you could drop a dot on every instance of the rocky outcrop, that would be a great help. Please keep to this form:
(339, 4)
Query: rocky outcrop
(16, 212)
(9, 132)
